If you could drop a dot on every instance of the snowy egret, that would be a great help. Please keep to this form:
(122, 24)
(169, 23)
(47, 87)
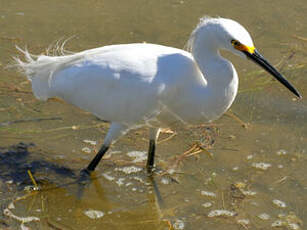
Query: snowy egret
(132, 85)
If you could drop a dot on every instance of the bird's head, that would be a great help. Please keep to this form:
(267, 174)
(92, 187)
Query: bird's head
(232, 36)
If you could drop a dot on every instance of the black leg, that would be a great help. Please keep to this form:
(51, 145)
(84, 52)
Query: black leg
(151, 156)
(91, 167)
(85, 174)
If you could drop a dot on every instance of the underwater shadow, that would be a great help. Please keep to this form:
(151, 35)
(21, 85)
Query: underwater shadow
(16, 160)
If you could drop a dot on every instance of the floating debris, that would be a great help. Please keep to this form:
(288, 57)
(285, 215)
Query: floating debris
(221, 212)
(165, 180)
(261, 165)
(281, 152)
(171, 171)
(90, 142)
(279, 203)
(128, 184)
(207, 204)
(282, 223)
(9, 181)
(27, 219)
(139, 179)
(94, 214)
(248, 192)
(277, 223)
(264, 216)
(138, 156)
(120, 181)
(31, 188)
(240, 185)
(11, 206)
(108, 177)
(208, 194)
(178, 225)
(23, 227)
(243, 221)
(86, 150)
(236, 168)
(129, 169)
(290, 221)
(115, 152)
(293, 226)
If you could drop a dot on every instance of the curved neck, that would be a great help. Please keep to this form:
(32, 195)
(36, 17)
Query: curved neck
(218, 71)
(221, 77)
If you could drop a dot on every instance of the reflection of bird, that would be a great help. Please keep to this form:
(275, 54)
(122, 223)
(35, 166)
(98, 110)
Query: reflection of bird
(149, 84)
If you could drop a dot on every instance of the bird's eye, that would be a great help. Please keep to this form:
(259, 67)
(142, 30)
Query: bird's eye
(235, 43)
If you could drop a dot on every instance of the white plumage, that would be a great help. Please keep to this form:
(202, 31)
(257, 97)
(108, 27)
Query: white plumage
(136, 84)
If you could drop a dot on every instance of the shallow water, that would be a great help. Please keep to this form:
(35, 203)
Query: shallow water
(269, 126)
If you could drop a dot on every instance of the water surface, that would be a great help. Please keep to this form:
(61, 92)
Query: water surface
(269, 128)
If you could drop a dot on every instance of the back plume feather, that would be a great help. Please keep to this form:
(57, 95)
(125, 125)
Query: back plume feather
(39, 69)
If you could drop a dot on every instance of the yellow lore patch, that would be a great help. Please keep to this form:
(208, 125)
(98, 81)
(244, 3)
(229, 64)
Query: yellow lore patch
(237, 45)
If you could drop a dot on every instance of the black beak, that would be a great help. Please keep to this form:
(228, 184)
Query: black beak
(260, 60)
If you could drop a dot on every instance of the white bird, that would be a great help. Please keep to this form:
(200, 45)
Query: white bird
(131, 85)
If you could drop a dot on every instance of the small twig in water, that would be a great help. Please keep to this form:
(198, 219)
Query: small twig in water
(168, 138)
(7, 123)
(236, 118)
(33, 180)
(195, 149)
(300, 38)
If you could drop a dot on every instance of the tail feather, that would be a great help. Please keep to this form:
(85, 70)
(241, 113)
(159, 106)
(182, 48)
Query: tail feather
(40, 69)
